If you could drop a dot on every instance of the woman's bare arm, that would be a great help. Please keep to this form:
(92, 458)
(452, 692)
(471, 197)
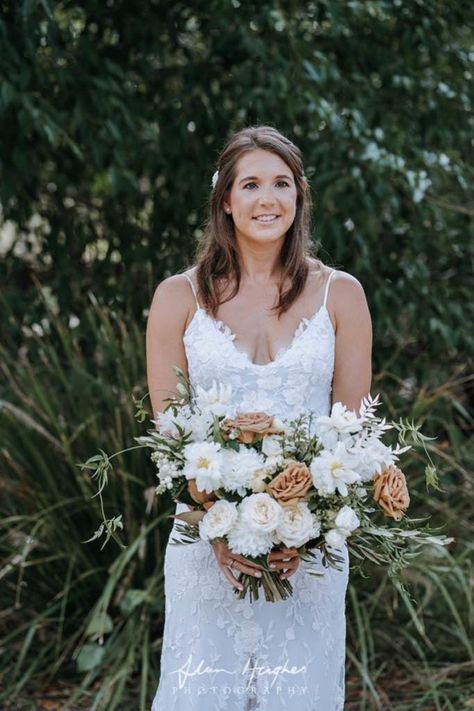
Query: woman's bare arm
(169, 312)
(353, 358)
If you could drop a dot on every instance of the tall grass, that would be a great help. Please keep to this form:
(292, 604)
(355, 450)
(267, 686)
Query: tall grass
(85, 625)
(70, 610)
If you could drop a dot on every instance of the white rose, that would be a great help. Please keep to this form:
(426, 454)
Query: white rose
(261, 513)
(298, 526)
(219, 520)
(347, 520)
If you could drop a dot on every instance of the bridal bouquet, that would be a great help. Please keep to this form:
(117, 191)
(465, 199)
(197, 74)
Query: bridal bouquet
(259, 483)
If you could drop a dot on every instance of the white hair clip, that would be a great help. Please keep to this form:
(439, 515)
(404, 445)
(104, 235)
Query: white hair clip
(214, 179)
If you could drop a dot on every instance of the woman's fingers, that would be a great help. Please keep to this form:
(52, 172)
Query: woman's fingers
(233, 581)
(278, 559)
(243, 567)
(286, 560)
(247, 563)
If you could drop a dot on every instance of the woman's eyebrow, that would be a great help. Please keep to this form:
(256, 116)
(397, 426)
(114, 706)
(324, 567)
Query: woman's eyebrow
(254, 177)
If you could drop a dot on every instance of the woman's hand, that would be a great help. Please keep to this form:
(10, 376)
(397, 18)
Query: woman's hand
(286, 560)
(226, 559)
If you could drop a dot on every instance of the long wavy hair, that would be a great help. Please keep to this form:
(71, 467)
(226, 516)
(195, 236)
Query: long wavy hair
(217, 260)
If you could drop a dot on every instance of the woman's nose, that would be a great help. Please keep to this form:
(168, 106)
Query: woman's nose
(267, 197)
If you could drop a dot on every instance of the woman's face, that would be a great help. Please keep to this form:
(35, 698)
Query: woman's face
(262, 200)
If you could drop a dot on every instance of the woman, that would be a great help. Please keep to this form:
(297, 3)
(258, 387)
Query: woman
(284, 330)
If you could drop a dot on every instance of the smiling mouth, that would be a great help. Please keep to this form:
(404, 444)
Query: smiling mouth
(266, 219)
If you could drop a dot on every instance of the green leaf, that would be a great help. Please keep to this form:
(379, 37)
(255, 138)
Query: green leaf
(90, 657)
(99, 625)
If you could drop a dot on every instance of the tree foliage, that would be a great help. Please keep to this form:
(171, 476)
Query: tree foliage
(112, 114)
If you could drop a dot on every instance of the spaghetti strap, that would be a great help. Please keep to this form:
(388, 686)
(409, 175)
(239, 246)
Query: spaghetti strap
(327, 287)
(193, 288)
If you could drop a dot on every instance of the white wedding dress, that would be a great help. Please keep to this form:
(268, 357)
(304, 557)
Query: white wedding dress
(220, 652)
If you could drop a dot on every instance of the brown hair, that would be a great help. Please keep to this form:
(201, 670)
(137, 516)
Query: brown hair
(217, 257)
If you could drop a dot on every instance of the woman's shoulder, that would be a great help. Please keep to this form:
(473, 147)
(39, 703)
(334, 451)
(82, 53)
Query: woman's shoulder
(347, 298)
(173, 296)
(348, 282)
(177, 285)
(346, 285)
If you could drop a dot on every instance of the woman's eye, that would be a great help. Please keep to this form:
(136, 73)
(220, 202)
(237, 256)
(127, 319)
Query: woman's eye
(280, 182)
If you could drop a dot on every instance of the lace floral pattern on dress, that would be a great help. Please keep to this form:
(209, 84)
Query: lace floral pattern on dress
(220, 652)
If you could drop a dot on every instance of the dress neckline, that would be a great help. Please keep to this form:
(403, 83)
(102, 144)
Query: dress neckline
(227, 333)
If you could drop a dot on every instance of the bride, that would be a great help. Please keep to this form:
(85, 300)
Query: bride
(289, 334)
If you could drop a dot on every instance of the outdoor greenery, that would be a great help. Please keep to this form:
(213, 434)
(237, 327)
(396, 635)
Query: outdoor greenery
(111, 117)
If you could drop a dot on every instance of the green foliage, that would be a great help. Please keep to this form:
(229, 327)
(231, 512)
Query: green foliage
(83, 607)
(111, 119)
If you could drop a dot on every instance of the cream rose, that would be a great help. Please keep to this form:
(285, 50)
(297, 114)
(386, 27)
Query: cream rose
(291, 485)
(298, 526)
(219, 520)
(261, 513)
(391, 492)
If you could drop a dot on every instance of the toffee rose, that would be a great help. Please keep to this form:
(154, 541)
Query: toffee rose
(250, 425)
(391, 492)
(291, 485)
(200, 497)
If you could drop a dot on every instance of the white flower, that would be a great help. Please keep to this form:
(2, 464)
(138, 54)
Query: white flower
(257, 481)
(334, 538)
(272, 463)
(261, 513)
(203, 462)
(373, 457)
(271, 445)
(347, 520)
(239, 468)
(333, 471)
(243, 540)
(199, 425)
(216, 399)
(299, 525)
(165, 424)
(345, 523)
(281, 424)
(166, 467)
(219, 520)
(339, 426)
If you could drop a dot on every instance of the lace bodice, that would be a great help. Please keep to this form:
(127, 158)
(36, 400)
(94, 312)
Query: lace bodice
(298, 379)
